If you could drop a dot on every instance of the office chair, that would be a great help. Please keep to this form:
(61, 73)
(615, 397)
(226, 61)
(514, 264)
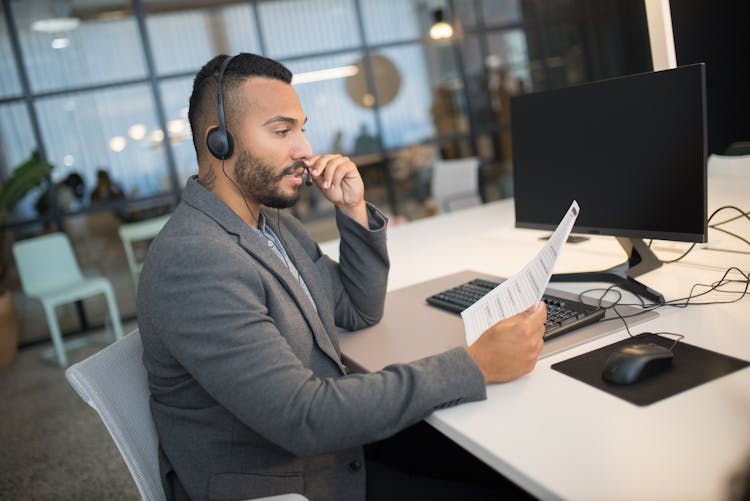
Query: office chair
(49, 272)
(135, 232)
(114, 383)
(455, 184)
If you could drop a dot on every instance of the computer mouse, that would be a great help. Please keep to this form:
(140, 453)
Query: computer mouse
(636, 362)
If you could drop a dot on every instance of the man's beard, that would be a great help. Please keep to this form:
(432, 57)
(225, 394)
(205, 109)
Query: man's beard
(258, 181)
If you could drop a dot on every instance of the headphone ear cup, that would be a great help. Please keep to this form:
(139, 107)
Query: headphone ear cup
(220, 143)
(230, 144)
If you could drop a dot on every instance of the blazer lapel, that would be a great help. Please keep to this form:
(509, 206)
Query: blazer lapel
(320, 320)
(257, 246)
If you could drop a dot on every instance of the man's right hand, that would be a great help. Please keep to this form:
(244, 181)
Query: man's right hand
(510, 348)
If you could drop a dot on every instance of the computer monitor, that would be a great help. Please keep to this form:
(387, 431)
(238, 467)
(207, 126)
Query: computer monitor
(632, 152)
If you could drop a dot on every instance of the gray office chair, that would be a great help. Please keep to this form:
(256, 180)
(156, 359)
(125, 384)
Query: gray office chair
(455, 184)
(115, 383)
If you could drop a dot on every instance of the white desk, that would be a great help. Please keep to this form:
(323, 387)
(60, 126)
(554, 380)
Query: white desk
(559, 438)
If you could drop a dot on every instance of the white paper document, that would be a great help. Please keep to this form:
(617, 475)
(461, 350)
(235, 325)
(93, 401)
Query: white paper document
(521, 291)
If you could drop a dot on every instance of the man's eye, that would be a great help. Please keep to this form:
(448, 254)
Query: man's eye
(282, 132)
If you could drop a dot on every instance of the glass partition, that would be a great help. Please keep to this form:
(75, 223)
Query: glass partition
(390, 20)
(175, 97)
(186, 40)
(464, 13)
(112, 131)
(503, 11)
(405, 94)
(331, 89)
(17, 145)
(10, 84)
(82, 53)
(292, 27)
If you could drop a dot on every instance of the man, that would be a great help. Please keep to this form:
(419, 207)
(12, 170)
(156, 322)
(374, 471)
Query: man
(238, 311)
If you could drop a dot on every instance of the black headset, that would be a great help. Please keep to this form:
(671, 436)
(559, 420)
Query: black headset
(219, 140)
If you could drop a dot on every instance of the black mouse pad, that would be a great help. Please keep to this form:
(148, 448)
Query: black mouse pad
(691, 366)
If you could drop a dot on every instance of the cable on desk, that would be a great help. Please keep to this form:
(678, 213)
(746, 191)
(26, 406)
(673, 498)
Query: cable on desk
(731, 234)
(744, 214)
(715, 226)
(680, 302)
(718, 286)
(613, 307)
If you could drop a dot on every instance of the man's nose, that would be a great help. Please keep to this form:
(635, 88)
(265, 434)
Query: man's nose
(302, 148)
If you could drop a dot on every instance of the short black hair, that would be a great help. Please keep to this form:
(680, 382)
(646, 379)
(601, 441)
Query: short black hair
(203, 107)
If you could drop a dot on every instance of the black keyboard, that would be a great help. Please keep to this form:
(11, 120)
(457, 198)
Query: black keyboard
(563, 315)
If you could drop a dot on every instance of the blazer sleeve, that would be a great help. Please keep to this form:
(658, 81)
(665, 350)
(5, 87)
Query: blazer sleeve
(361, 275)
(356, 284)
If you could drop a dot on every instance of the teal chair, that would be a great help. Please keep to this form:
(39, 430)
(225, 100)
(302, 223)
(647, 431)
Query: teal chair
(135, 232)
(49, 272)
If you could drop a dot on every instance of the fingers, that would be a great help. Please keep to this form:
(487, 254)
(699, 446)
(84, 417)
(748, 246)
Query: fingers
(535, 315)
(339, 180)
(529, 322)
(541, 305)
(539, 312)
(537, 319)
(330, 169)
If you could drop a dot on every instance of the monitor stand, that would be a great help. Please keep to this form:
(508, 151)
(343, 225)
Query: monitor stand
(641, 259)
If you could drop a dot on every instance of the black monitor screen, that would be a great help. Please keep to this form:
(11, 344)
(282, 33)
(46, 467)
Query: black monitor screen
(630, 150)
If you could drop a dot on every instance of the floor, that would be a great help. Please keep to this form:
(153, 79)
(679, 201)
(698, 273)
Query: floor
(54, 446)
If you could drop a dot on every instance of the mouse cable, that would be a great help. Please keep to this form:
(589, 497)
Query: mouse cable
(714, 226)
(613, 307)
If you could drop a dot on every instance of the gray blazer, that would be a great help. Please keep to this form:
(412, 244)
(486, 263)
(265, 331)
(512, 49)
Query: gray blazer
(248, 390)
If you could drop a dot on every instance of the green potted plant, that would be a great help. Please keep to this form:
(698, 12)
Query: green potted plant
(30, 174)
